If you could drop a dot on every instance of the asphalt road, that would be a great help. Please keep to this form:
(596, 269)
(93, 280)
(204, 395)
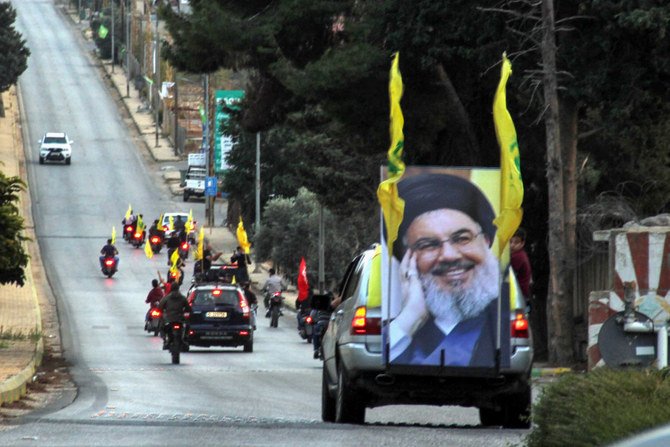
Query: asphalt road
(128, 392)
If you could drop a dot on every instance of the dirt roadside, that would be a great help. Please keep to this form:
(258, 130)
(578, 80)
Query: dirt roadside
(51, 380)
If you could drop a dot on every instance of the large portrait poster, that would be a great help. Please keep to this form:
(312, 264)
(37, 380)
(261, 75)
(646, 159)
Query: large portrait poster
(441, 286)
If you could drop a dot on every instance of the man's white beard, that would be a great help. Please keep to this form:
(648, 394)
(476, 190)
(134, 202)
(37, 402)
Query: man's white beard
(459, 305)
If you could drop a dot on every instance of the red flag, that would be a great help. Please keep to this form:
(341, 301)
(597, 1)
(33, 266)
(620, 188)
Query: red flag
(303, 284)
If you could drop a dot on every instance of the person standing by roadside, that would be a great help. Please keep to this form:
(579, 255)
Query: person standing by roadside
(520, 262)
(524, 276)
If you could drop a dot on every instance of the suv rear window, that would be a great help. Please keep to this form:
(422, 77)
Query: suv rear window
(207, 297)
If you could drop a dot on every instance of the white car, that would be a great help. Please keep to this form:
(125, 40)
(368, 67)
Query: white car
(55, 146)
(192, 235)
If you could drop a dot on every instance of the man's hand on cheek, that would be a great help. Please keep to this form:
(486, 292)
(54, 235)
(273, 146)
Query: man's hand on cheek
(414, 311)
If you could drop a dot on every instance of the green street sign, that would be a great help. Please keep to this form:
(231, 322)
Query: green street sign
(223, 143)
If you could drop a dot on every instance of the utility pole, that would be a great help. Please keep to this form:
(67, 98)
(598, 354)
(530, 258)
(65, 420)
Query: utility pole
(257, 183)
(157, 68)
(113, 35)
(322, 238)
(128, 15)
(210, 130)
(176, 113)
(209, 153)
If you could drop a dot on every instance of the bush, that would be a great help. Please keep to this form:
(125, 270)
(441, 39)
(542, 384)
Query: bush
(600, 407)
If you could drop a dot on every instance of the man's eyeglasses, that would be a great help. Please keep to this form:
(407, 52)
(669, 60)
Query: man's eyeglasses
(459, 240)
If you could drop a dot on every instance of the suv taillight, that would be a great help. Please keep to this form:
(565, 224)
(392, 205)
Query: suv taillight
(519, 326)
(244, 305)
(364, 325)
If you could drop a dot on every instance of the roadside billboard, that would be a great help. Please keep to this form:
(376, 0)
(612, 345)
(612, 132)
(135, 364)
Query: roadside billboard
(441, 286)
(223, 143)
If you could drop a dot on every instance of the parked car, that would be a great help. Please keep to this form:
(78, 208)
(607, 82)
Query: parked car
(220, 316)
(356, 377)
(194, 182)
(55, 146)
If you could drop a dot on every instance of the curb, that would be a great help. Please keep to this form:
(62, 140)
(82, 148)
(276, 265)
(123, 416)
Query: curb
(549, 372)
(16, 386)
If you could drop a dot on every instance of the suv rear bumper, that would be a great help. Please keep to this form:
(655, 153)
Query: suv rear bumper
(367, 373)
(208, 335)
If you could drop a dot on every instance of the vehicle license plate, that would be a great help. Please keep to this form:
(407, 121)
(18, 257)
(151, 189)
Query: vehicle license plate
(216, 314)
(217, 337)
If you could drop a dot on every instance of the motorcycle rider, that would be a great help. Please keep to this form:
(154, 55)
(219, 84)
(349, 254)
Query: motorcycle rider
(172, 245)
(320, 314)
(167, 285)
(156, 230)
(130, 220)
(109, 251)
(180, 229)
(173, 306)
(303, 308)
(154, 297)
(273, 284)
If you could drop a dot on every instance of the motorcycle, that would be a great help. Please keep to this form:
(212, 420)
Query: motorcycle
(156, 243)
(174, 333)
(153, 324)
(109, 267)
(275, 308)
(183, 250)
(305, 327)
(138, 239)
(128, 232)
(179, 278)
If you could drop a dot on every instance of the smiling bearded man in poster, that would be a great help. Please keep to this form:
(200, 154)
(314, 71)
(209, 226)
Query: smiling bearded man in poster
(449, 277)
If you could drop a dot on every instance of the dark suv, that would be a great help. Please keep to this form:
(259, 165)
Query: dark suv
(220, 316)
(355, 375)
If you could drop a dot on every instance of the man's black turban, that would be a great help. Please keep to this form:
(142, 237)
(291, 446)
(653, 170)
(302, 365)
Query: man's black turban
(428, 192)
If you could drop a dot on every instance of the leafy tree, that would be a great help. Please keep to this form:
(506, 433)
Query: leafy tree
(13, 51)
(289, 231)
(13, 258)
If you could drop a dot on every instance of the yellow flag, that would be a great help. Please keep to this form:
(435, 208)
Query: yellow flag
(233, 281)
(199, 253)
(511, 185)
(140, 224)
(129, 211)
(147, 249)
(171, 228)
(392, 205)
(189, 222)
(113, 235)
(242, 237)
(174, 258)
